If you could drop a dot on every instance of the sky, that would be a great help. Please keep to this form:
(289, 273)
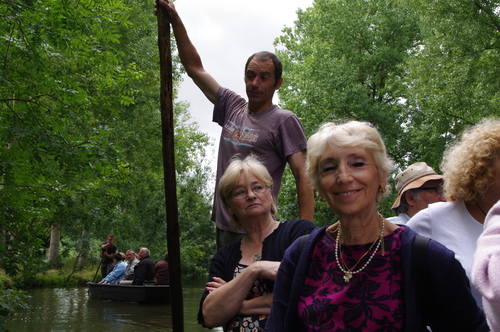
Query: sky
(226, 33)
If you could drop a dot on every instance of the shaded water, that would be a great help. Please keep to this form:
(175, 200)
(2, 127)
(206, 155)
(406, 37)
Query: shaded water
(71, 309)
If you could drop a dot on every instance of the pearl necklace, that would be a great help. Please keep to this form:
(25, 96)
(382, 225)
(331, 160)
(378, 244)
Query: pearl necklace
(348, 272)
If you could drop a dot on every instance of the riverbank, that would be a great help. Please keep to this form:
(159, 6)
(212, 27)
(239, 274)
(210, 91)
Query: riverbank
(49, 279)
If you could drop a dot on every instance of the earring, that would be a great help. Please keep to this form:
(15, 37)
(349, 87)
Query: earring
(382, 189)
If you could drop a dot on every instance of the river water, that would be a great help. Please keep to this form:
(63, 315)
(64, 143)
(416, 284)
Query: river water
(71, 309)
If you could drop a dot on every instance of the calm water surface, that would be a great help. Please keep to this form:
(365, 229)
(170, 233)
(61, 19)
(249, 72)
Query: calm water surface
(71, 309)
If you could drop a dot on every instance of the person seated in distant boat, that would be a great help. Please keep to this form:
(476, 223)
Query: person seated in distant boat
(145, 269)
(132, 261)
(118, 272)
(161, 271)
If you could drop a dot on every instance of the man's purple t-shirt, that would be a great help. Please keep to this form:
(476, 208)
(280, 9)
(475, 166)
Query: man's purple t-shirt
(271, 135)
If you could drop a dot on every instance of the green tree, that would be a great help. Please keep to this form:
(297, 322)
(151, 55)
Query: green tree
(350, 66)
(81, 135)
(55, 62)
(453, 74)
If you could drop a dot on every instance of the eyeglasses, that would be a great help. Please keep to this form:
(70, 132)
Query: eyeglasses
(257, 189)
(438, 190)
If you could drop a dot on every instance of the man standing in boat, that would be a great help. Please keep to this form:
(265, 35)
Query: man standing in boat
(256, 126)
(108, 252)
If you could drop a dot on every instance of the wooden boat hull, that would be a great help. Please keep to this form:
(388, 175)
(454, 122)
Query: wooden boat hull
(130, 293)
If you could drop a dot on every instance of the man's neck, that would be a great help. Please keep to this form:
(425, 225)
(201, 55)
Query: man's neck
(259, 108)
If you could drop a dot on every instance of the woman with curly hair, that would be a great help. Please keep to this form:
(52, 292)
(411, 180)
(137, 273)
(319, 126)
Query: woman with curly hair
(471, 173)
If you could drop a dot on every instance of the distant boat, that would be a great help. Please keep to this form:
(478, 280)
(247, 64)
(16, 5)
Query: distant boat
(130, 293)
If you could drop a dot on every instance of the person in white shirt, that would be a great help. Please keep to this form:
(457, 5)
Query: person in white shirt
(471, 173)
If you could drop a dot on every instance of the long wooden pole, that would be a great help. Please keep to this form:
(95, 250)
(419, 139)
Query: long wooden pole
(167, 119)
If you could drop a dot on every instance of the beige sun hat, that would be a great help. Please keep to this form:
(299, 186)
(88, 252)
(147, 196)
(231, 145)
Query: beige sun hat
(413, 177)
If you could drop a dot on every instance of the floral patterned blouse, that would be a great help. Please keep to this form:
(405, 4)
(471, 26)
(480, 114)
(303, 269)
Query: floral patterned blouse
(370, 301)
(254, 323)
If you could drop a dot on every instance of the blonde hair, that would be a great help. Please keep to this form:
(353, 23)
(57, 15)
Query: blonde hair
(349, 134)
(468, 165)
(228, 182)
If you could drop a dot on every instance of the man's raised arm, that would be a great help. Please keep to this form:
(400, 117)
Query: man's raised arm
(190, 58)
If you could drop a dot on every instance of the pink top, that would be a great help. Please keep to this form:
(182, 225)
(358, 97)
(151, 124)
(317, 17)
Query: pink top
(486, 267)
(371, 299)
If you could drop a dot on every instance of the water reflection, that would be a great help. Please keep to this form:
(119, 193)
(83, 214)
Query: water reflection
(71, 309)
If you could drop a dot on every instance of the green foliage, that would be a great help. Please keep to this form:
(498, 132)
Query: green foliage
(349, 66)
(80, 139)
(454, 73)
(56, 63)
(419, 71)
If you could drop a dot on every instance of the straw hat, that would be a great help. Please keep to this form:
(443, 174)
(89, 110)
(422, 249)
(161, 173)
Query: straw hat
(413, 177)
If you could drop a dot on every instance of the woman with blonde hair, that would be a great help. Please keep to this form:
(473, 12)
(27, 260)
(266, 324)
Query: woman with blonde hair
(239, 290)
(471, 174)
(356, 274)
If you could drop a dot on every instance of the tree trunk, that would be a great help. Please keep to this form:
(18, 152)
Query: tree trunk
(174, 255)
(55, 238)
(84, 249)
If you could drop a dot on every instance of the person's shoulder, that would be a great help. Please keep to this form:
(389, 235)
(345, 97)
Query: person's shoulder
(282, 110)
(437, 206)
(229, 248)
(228, 94)
(438, 210)
(395, 220)
(435, 248)
(300, 223)
(312, 231)
(294, 222)
(294, 227)
(283, 114)
(419, 217)
(305, 242)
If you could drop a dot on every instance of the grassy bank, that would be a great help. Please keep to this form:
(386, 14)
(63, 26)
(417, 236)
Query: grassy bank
(52, 278)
